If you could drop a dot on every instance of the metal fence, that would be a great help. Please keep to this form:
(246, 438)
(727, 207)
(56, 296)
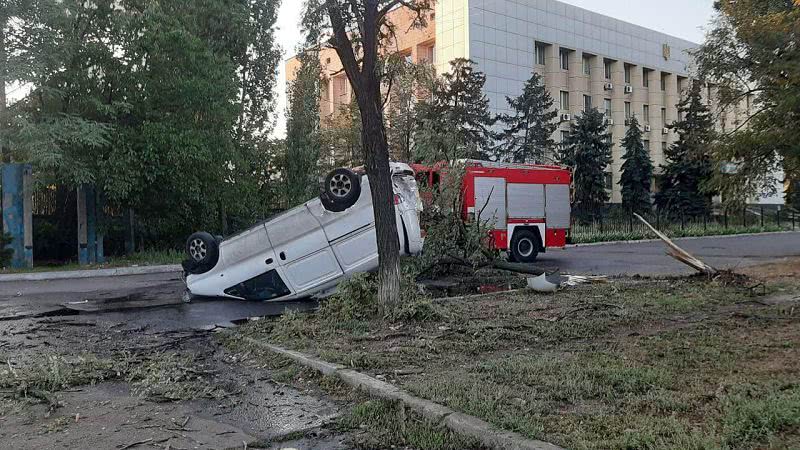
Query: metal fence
(614, 224)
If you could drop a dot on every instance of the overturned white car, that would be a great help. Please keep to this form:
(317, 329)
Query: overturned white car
(308, 250)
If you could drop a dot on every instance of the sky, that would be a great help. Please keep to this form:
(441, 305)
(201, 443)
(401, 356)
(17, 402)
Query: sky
(681, 18)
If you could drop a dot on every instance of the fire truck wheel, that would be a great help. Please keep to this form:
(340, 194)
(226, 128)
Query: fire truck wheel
(341, 190)
(525, 246)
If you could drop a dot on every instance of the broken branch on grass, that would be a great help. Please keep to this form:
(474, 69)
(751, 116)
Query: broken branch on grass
(679, 253)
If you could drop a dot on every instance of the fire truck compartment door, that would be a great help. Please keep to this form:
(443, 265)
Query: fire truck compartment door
(490, 201)
(525, 201)
(557, 206)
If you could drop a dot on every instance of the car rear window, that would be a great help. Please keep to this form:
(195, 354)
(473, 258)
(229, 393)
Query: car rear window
(266, 286)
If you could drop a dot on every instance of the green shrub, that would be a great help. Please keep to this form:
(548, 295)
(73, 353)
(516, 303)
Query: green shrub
(355, 299)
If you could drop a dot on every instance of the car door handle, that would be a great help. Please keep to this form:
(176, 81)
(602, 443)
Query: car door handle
(283, 256)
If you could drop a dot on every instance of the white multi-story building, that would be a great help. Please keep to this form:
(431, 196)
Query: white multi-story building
(586, 60)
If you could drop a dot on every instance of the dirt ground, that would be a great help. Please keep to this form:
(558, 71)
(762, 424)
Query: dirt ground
(69, 382)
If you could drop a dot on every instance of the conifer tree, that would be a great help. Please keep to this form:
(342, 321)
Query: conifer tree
(456, 123)
(587, 150)
(637, 171)
(528, 134)
(688, 164)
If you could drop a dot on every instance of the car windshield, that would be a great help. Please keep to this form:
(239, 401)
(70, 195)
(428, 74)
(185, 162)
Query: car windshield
(266, 286)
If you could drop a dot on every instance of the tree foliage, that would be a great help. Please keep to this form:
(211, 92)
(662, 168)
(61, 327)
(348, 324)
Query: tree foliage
(752, 56)
(301, 169)
(528, 134)
(688, 164)
(587, 151)
(164, 108)
(409, 82)
(637, 170)
(456, 123)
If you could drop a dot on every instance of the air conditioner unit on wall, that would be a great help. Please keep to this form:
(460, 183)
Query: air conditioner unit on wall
(628, 122)
(629, 89)
(647, 129)
(665, 130)
(609, 86)
(566, 117)
(609, 121)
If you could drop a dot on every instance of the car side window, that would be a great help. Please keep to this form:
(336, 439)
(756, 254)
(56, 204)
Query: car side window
(266, 286)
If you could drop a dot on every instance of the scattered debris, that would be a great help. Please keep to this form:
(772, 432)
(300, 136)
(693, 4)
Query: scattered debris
(542, 284)
(554, 282)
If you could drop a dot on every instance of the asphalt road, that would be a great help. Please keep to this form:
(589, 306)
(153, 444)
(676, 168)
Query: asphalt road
(152, 300)
(649, 258)
(114, 297)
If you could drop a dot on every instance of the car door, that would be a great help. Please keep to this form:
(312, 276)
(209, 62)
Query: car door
(303, 250)
(351, 233)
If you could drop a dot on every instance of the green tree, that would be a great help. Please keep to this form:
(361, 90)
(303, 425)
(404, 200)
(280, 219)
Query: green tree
(341, 138)
(43, 53)
(752, 57)
(408, 82)
(637, 171)
(587, 150)
(303, 127)
(357, 29)
(688, 164)
(528, 134)
(456, 123)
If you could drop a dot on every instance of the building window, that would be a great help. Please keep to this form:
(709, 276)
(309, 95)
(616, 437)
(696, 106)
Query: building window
(646, 145)
(608, 180)
(564, 101)
(663, 82)
(664, 116)
(564, 56)
(627, 74)
(646, 113)
(564, 137)
(540, 49)
(607, 69)
(627, 110)
(427, 54)
(587, 103)
(646, 77)
(587, 65)
(663, 147)
(607, 106)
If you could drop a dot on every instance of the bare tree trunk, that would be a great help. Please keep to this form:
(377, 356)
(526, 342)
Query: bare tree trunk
(376, 156)
(365, 80)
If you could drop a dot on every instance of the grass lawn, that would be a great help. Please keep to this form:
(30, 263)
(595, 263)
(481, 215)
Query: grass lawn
(634, 364)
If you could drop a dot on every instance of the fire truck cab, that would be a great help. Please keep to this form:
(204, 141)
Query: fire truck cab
(526, 206)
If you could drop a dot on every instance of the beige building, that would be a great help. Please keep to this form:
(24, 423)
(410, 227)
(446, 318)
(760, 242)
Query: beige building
(586, 59)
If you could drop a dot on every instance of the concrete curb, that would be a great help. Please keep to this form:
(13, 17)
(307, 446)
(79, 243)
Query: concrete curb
(459, 423)
(689, 238)
(90, 273)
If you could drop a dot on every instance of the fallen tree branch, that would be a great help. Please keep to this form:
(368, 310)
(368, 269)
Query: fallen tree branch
(681, 254)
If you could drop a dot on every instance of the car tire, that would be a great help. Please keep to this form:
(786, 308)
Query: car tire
(525, 246)
(203, 251)
(341, 190)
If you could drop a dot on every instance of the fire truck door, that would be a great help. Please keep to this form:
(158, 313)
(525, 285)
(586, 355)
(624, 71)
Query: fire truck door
(490, 201)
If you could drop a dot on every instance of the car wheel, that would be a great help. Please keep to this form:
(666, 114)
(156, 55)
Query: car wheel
(341, 190)
(203, 251)
(525, 246)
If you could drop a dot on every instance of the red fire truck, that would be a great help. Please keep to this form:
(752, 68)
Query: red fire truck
(528, 205)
